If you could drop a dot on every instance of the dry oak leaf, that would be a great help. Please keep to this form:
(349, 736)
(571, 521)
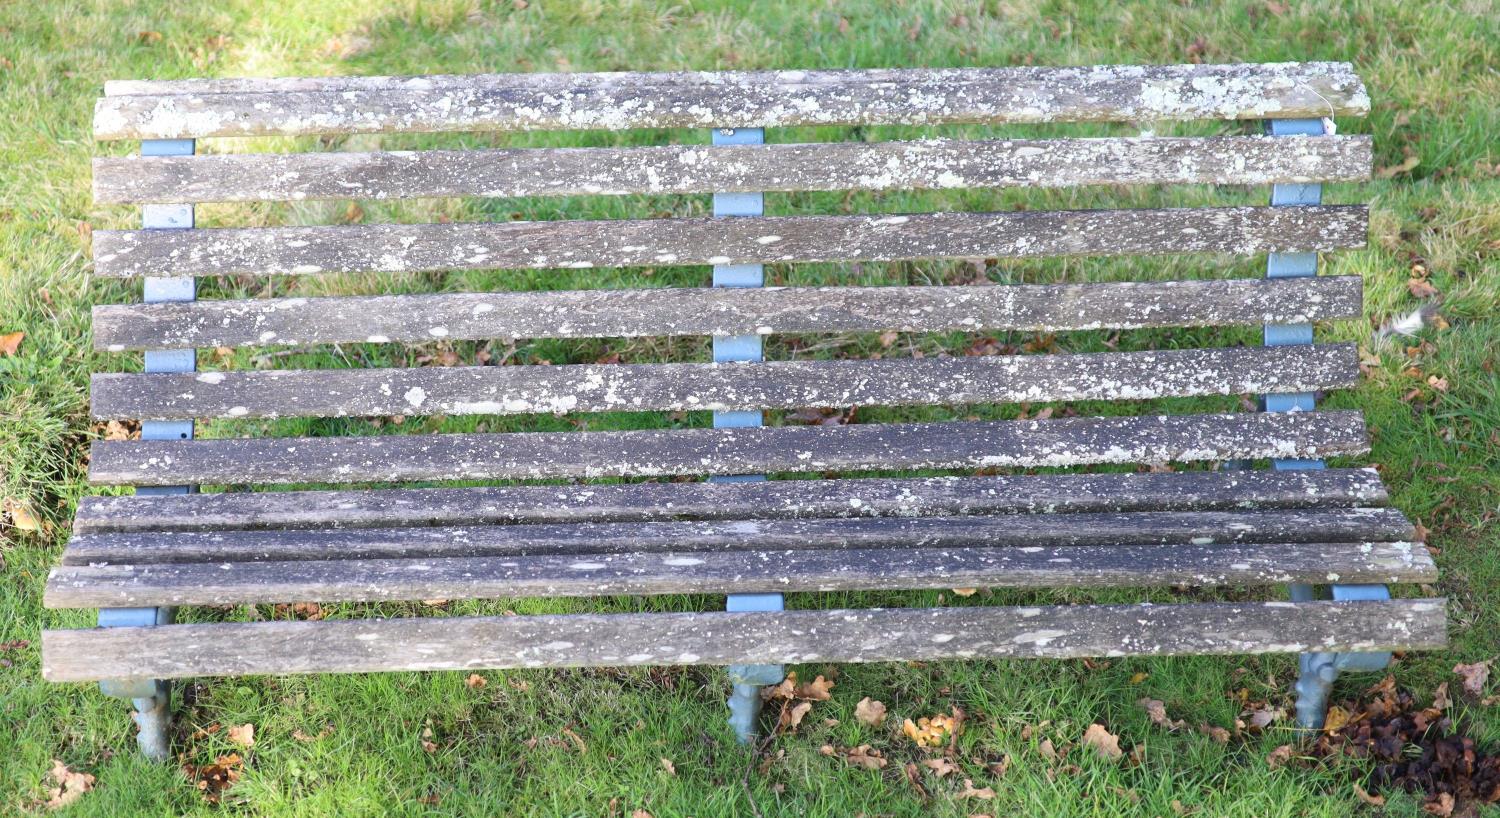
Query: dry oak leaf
(792, 716)
(869, 712)
(1441, 806)
(21, 517)
(817, 690)
(1336, 719)
(475, 681)
(1280, 756)
(1047, 750)
(864, 756)
(1218, 734)
(1105, 743)
(940, 767)
(1474, 675)
(243, 735)
(982, 793)
(70, 786)
(1156, 710)
(10, 342)
(304, 737)
(1419, 288)
(1372, 800)
(666, 764)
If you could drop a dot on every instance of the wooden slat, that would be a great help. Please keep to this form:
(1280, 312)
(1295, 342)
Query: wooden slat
(723, 312)
(656, 453)
(932, 164)
(1032, 530)
(755, 99)
(494, 390)
(721, 638)
(750, 240)
(775, 499)
(735, 571)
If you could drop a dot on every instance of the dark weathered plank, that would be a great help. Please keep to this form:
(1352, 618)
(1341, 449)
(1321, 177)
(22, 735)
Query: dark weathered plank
(723, 312)
(657, 453)
(757, 99)
(775, 499)
(789, 571)
(647, 242)
(789, 637)
(1031, 530)
(494, 390)
(934, 164)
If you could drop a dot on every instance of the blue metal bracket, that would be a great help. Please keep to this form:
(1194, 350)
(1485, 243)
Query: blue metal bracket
(1318, 670)
(152, 697)
(744, 703)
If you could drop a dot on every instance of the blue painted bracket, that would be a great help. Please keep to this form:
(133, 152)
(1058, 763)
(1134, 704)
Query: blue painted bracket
(1319, 670)
(152, 697)
(744, 703)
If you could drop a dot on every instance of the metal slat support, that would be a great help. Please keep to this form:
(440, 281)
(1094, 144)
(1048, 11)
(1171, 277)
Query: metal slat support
(744, 701)
(1318, 670)
(152, 697)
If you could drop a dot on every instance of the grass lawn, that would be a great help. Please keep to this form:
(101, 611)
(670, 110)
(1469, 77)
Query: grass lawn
(594, 742)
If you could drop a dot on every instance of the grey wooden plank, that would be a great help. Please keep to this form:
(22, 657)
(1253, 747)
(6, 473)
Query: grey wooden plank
(582, 244)
(661, 452)
(1031, 530)
(562, 82)
(762, 99)
(721, 638)
(928, 164)
(723, 312)
(695, 572)
(494, 390)
(774, 499)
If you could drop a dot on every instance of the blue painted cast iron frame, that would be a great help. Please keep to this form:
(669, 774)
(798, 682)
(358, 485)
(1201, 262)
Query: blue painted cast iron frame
(1318, 670)
(744, 700)
(152, 697)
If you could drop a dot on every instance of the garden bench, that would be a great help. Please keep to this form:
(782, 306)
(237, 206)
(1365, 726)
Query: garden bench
(951, 503)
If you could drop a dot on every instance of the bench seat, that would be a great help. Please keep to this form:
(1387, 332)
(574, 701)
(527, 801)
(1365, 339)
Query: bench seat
(764, 512)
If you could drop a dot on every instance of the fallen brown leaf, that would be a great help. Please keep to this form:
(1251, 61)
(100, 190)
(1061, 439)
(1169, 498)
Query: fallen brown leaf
(21, 517)
(1419, 288)
(1372, 800)
(970, 791)
(864, 756)
(304, 737)
(1280, 756)
(1337, 718)
(1105, 743)
(1156, 710)
(70, 787)
(1474, 675)
(817, 690)
(1442, 806)
(1218, 734)
(1047, 750)
(10, 343)
(940, 767)
(869, 712)
(666, 764)
(793, 715)
(243, 735)
(475, 681)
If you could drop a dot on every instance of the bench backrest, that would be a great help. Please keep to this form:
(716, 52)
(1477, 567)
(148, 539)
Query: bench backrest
(728, 103)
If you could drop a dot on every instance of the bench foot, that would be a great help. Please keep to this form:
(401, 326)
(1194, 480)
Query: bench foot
(1321, 669)
(151, 698)
(744, 696)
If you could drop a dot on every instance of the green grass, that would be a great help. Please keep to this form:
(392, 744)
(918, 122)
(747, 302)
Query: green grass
(502, 749)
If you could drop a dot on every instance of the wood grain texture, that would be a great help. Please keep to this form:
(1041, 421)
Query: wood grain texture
(929, 164)
(494, 390)
(775, 499)
(723, 312)
(377, 580)
(750, 240)
(658, 453)
(738, 100)
(1030, 530)
(721, 638)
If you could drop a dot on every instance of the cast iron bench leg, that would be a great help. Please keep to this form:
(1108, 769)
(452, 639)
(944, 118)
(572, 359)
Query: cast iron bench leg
(1318, 670)
(152, 697)
(744, 700)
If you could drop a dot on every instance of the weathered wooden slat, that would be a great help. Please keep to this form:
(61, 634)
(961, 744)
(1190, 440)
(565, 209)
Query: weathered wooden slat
(759, 99)
(696, 572)
(775, 499)
(721, 638)
(932, 164)
(656, 452)
(1031, 530)
(647, 242)
(494, 390)
(723, 312)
